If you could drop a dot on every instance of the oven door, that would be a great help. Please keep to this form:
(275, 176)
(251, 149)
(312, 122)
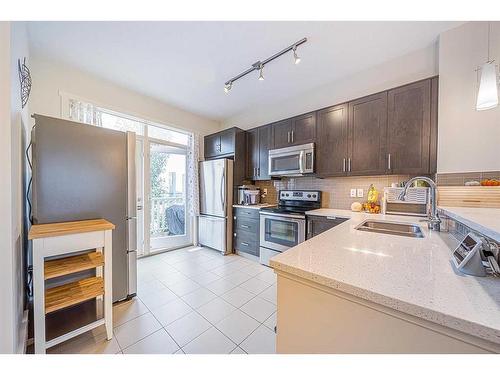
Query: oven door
(280, 231)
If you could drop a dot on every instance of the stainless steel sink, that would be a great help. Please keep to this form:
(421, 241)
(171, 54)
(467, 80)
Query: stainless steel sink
(390, 227)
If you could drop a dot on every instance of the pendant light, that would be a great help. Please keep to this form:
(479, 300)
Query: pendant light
(487, 95)
(261, 75)
(296, 57)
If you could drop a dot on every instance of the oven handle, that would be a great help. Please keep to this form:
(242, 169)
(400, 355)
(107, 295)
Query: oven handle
(298, 218)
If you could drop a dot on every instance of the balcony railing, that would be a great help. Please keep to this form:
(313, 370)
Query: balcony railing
(159, 205)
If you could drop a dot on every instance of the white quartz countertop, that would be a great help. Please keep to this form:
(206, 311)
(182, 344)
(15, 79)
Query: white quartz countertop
(483, 220)
(411, 275)
(253, 206)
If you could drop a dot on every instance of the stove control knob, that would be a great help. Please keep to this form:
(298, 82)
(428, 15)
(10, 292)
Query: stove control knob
(314, 195)
(308, 195)
(287, 194)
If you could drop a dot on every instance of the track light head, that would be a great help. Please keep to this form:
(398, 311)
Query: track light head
(261, 75)
(295, 56)
(228, 86)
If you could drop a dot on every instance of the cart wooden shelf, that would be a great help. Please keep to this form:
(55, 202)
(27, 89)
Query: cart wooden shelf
(72, 264)
(73, 293)
(64, 249)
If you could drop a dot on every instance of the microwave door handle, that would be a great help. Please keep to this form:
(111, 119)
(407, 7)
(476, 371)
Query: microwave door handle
(301, 161)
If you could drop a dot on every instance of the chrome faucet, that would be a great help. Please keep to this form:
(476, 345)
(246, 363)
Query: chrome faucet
(433, 222)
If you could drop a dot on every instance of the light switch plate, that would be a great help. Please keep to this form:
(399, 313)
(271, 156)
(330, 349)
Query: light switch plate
(360, 193)
(353, 193)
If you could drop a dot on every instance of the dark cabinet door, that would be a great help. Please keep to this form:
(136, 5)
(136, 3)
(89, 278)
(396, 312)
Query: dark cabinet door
(303, 129)
(227, 141)
(408, 128)
(265, 142)
(252, 153)
(212, 145)
(367, 135)
(319, 224)
(282, 133)
(331, 144)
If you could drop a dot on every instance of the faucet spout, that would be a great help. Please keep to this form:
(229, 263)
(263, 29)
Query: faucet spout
(434, 222)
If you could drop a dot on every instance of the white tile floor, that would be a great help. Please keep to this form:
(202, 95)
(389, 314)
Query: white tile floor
(192, 301)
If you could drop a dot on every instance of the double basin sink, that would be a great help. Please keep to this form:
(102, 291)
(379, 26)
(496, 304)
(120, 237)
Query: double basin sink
(387, 227)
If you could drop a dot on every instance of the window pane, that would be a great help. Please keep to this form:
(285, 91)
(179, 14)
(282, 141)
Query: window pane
(168, 135)
(111, 121)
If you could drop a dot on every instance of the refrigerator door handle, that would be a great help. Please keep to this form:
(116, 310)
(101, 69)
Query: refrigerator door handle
(131, 178)
(223, 191)
(131, 233)
(132, 273)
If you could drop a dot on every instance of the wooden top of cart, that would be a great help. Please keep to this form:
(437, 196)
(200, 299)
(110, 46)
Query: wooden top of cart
(68, 227)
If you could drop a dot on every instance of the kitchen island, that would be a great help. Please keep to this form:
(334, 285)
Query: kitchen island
(351, 291)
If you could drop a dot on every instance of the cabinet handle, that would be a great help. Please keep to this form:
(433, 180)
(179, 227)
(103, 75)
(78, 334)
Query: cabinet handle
(343, 165)
(244, 244)
(389, 161)
(254, 171)
(309, 228)
(245, 226)
(234, 234)
(349, 164)
(292, 136)
(258, 171)
(288, 137)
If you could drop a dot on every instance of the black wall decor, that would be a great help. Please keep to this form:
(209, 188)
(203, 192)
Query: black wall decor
(25, 79)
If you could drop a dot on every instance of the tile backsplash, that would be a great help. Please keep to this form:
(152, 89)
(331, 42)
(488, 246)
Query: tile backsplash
(335, 190)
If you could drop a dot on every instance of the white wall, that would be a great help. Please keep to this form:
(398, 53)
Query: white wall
(412, 67)
(50, 77)
(7, 338)
(13, 45)
(469, 140)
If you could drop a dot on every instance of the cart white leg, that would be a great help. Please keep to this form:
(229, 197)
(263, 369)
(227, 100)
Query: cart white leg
(108, 280)
(39, 295)
(99, 302)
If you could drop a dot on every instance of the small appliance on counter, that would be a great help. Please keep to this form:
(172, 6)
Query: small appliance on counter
(284, 226)
(416, 203)
(252, 197)
(242, 189)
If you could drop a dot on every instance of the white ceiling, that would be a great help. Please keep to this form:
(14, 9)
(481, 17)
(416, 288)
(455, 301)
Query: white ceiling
(186, 63)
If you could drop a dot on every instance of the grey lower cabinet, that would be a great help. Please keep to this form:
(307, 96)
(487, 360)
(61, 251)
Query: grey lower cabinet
(319, 224)
(246, 230)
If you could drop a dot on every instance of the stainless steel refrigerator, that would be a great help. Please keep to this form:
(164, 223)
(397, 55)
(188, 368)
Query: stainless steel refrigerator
(86, 172)
(216, 204)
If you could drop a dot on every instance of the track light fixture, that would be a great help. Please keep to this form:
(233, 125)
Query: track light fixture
(296, 58)
(259, 65)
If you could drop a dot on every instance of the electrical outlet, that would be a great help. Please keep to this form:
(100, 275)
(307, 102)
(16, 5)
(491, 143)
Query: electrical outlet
(353, 193)
(360, 193)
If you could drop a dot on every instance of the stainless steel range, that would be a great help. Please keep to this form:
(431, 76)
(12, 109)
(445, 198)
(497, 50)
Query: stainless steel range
(284, 226)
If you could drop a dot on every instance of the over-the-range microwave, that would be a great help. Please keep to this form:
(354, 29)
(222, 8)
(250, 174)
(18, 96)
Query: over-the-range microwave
(292, 161)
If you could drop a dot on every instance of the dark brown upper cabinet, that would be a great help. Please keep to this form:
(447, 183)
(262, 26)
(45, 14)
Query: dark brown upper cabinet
(331, 145)
(258, 145)
(367, 135)
(409, 129)
(252, 153)
(223, 143)
(295, 131)
(282, 133)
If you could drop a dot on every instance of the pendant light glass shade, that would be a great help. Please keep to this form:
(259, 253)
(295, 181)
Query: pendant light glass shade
(487, 95)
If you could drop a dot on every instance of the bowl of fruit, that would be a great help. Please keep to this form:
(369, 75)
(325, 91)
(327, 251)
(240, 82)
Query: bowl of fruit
(490, 182)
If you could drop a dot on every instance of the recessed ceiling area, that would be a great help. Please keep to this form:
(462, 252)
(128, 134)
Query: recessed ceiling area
(186, 64)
